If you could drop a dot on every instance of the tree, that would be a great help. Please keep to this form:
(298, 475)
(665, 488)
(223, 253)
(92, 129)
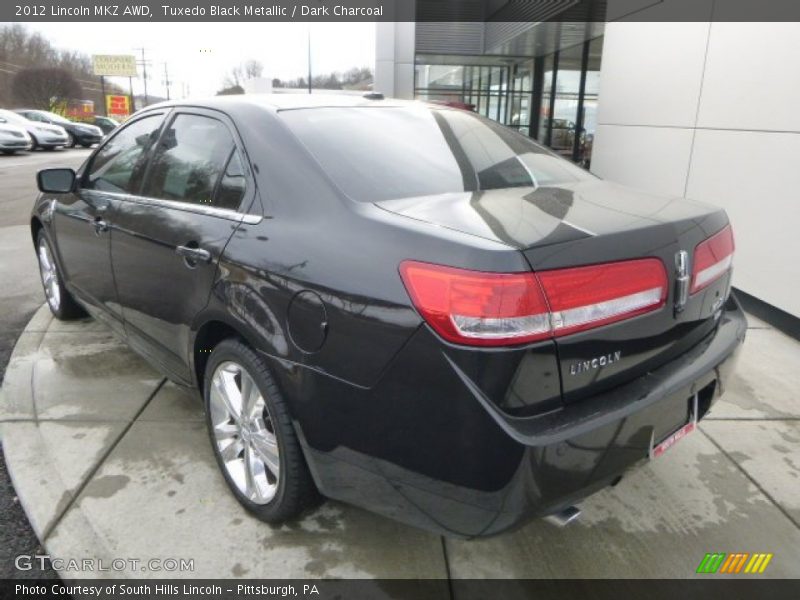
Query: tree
(45, 88)
(249, 69)
(231, 90)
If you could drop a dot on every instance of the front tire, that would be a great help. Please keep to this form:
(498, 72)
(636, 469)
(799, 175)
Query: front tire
(61, 303)
(252, 435)
(71, 141)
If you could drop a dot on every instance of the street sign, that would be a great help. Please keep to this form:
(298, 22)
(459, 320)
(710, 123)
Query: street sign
(114, 65)
(118, 105)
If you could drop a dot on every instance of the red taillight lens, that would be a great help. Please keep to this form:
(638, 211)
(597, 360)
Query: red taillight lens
(712, 259)
(586, 297)
(475, 308)
(498, 309)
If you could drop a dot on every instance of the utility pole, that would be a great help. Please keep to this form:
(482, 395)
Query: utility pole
(144, 63)
(309, 58)
(167, 82)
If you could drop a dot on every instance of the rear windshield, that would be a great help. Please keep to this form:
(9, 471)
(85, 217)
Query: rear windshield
(383, 153)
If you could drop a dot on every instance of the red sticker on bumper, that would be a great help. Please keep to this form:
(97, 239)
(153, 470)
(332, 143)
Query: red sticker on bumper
(672, 439)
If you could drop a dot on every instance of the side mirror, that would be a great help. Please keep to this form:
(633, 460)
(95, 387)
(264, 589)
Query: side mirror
(56, 181)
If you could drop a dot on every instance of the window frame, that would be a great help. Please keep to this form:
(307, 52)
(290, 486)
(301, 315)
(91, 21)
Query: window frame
(86, 169)
(250, 210)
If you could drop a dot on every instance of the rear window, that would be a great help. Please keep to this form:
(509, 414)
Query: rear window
(383, 153)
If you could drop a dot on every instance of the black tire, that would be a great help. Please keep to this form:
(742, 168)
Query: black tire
(9, 152)
(296, 491)
(86, 145)
(71, 141)
(35, 143)
(66, 309)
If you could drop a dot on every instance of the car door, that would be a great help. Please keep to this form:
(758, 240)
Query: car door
(81, 219)
(168, 239)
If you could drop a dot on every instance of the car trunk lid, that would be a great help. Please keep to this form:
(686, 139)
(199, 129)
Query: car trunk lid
(588, 223)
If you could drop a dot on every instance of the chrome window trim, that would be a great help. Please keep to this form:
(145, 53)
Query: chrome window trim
(210, 211)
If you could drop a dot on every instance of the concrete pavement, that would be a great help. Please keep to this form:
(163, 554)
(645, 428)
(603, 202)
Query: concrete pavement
(112, 462)
(20, 295)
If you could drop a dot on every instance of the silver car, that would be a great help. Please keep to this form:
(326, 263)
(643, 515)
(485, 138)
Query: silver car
(43, 135)
(13, 138)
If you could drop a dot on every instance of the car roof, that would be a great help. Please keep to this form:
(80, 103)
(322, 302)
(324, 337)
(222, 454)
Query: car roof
(277, 102)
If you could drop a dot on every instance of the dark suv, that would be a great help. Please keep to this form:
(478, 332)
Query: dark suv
(404, 306)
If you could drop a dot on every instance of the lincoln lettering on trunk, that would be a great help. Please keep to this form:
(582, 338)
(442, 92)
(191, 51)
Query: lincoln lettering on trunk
(594, 363)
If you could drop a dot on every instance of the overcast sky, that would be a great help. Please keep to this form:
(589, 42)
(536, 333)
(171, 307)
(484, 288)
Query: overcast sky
(200, 54)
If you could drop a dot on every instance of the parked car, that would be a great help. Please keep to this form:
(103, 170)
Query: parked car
(13, 138)
(48, 137)
(107, 124)
(78, 133)
(406, 307)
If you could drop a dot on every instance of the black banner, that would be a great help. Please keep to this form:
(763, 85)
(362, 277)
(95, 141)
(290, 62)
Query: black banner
(397, 10)
(744, 588)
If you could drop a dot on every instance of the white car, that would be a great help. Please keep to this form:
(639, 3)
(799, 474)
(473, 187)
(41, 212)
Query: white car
(42, 135)
(13, 138)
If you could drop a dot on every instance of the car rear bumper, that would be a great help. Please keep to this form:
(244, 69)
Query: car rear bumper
(426, 447)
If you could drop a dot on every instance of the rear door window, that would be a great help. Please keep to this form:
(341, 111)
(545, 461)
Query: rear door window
(190, 160)
(119, 165)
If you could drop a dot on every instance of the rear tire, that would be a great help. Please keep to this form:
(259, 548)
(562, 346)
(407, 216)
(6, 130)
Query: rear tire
(252, 435)
(61, 303)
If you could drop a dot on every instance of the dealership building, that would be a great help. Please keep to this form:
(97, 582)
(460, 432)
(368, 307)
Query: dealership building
(703, 109)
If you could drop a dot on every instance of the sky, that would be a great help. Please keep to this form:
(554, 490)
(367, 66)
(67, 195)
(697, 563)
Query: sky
(200, 54)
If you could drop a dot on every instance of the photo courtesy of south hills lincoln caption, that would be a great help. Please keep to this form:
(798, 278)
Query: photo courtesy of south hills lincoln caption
(166, 589)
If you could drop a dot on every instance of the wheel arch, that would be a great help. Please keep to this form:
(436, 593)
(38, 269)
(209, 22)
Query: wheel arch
(210, 332)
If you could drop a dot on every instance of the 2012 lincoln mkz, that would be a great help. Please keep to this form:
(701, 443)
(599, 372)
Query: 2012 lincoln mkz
(403, 306)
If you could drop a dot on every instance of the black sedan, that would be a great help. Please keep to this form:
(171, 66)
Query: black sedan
(83, 134)
(106, 124)
(403, 306)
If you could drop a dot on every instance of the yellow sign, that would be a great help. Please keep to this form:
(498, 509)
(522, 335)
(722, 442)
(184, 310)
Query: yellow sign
(115, 65)
(118, 105)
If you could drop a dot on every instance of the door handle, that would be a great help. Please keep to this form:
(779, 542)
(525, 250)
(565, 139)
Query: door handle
(193, 254)
(100, 225)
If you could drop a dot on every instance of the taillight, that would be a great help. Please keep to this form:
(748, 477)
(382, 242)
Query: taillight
(476, 308)
(585, 297)
(498, 309)
(712, 259)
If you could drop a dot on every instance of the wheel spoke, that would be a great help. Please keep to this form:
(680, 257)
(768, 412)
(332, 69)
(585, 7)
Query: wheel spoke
(249, 394)
(229, 393)
(251, 487)
(265, 446)
(231, 451)
(225, 431)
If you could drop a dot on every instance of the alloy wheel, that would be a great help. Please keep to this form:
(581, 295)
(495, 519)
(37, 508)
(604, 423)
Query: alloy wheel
(49, 274)
(244, 432)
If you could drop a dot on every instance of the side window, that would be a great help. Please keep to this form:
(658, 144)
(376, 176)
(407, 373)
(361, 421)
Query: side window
(119, 165)
(232, 185)
(189, 160)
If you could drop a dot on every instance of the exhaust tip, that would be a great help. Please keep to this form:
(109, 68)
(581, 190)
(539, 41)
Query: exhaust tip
(564, 517)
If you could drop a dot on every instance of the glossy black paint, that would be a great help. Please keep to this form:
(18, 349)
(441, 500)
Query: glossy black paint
(464, 441)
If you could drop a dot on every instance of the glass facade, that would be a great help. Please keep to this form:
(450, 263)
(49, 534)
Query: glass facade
(552, 98)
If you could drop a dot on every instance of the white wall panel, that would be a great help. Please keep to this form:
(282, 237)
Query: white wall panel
(655, 159)
(651, 73)
(755, 177)
(752, 77)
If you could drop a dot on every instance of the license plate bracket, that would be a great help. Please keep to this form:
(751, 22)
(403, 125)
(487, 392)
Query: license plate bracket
(657, 449)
